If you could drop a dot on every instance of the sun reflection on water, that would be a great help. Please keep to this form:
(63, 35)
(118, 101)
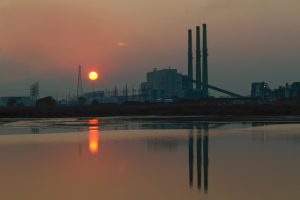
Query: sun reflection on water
(94, 136)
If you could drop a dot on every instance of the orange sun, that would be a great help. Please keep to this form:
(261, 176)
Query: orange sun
(93, 76)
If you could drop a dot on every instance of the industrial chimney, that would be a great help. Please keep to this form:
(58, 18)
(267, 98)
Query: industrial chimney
(198, 59)
(205, 66)
(190, 59)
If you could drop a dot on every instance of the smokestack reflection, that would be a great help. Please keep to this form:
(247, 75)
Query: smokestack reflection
(199, 157)
(205, 156)
(191, 157)
(93, 136)
(202, 141)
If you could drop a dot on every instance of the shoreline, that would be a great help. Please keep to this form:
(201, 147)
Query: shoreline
(177, 118)
(273, 112)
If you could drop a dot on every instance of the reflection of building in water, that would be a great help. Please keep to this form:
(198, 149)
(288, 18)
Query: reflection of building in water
(202, 156)
(163, 144)
(269, 135)
(137, 124)
(93, 136)
(35, 130)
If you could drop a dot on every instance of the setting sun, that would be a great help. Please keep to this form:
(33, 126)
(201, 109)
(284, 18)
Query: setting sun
(93, 76)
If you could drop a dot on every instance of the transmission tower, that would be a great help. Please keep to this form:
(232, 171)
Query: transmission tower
(34, 91)
(79, 83)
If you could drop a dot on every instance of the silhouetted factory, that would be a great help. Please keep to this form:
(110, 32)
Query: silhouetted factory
(28, 100)
(169, 84)
(262, 91)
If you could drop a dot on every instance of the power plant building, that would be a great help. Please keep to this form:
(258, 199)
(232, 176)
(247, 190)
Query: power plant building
(163, 84)
(169, 84)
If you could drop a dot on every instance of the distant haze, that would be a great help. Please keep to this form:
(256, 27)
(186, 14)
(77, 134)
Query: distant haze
(46, 40)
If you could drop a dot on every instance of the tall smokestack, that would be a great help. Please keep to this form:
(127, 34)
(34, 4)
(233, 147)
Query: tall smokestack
(198, 59)
(205, 66)
(190, 59)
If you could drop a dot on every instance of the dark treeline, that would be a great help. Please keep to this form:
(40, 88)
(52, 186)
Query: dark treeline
(192, 108)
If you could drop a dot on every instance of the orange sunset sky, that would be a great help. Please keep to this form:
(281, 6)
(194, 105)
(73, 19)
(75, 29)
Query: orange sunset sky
(45, 41)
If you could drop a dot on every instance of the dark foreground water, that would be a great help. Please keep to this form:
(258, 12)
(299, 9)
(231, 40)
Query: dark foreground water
(148, 159)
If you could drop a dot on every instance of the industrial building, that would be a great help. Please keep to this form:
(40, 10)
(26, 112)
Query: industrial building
(91, 96)
(17, 101)
(163, 84)
(22, 100)
(94, 97)
(289, 91)
(261, 90)
(168, 83)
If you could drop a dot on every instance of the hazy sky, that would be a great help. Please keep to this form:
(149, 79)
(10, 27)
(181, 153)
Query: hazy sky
(46, 40)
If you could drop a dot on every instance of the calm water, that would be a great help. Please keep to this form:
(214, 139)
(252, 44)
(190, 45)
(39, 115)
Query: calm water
(119, 158)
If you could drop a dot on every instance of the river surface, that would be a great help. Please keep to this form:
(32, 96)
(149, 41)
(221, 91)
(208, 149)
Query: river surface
(123, 158)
